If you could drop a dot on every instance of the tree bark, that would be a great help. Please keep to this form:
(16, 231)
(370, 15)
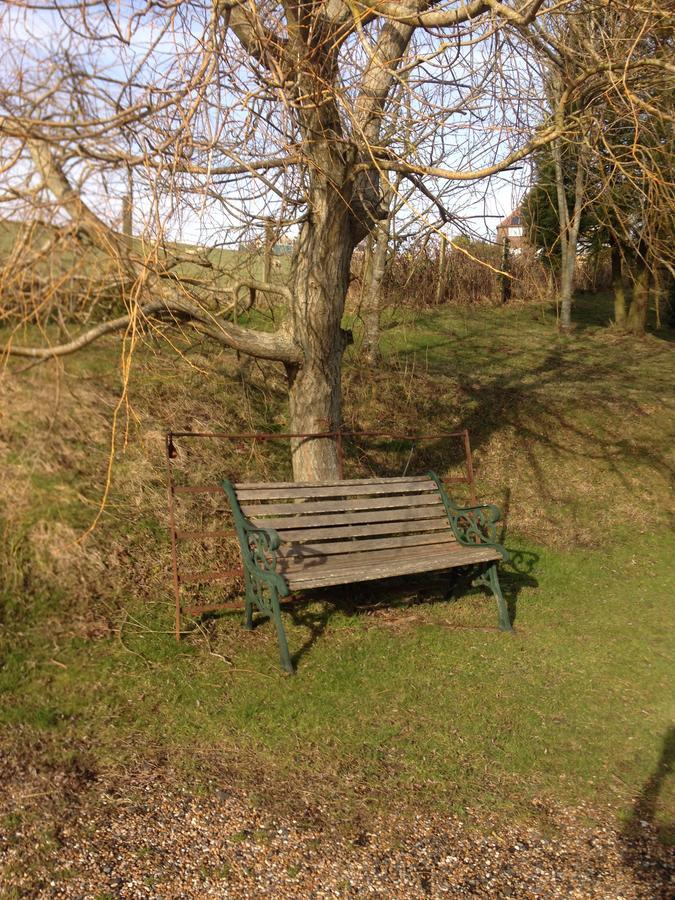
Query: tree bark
(506, 266)
(127, 220)
(658, 291)
(267, 252)
(569, 230)
(378, 246)
(319, 282)
(441, 280)
(637, 314)
(371, 316)
(618, 287)
(566, 287)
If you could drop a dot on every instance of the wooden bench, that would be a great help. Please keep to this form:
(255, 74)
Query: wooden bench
(298, 536)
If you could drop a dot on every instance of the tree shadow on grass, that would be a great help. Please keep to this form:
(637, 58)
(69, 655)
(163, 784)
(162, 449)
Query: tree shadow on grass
(402, 594)
(648, 844)
(540, 405)
(535, 401)
(596, 310)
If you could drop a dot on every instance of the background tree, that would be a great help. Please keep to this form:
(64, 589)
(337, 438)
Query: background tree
(608, 177)
(559, 183)
(227, 116)
(255, 106)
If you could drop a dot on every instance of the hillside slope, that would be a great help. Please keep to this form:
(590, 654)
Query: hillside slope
(402, 699)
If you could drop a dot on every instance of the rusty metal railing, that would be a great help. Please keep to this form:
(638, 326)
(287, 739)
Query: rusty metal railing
(224, 575)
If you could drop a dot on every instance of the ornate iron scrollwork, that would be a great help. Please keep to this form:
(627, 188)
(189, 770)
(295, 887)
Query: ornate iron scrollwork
(472, 525)
(264, 585)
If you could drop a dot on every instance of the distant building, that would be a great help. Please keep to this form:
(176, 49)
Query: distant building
(283, 247)
(512, 228)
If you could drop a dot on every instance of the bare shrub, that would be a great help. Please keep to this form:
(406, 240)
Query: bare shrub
(472, 275)
(593, 272)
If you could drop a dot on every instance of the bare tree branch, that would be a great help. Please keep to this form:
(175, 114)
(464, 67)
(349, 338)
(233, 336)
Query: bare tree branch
(275, 346)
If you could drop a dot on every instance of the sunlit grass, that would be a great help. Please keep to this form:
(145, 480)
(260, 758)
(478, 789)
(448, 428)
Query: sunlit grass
(395, 701)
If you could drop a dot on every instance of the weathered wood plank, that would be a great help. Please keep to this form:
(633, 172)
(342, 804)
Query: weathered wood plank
(375, 555)
(336, 533)
(378, 557)
(406, 514)
(391, 568)
(357, 546)
(265, 485)
(300, 506)
(338, 489)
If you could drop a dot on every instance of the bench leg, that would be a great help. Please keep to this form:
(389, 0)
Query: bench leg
(248, 614)
(285, 656)
(256, 596)
(493, 579)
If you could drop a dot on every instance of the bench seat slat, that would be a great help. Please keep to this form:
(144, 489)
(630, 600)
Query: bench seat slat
(349, 531)
(449, 552)
(358, 546)
(372, 566)
(337, 489)
(303, 507)
(407, 514)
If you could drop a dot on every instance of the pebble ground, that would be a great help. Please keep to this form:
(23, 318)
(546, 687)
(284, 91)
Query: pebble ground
(76, 836)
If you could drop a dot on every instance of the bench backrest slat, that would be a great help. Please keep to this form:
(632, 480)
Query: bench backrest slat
(294, 507)
(248, 492)
(336, 532)
(328, 548)
(315, 520)
(348, 516)
(264, 486)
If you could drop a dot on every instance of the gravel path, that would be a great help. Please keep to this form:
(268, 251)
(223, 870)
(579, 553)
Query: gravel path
(74, 836)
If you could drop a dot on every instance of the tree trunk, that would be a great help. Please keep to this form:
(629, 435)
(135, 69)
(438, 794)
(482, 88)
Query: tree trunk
(127, 222)
(637, 314)
(566, 287)
(670, 300)
(267, 251)
(378, 246)
(127, 206)
(314, 407)
(506, 268)
(566, 261)
(569, 230)
(658, 284)
(366, 272)
(371, 316)
(319, 282)
(442, 276)
(618, 287)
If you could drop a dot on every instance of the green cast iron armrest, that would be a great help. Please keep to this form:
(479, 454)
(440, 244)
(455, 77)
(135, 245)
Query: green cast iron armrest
(471, 525)
(258, 545)
(267, 536)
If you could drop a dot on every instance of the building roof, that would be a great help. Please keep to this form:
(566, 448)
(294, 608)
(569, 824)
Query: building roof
(513, 219)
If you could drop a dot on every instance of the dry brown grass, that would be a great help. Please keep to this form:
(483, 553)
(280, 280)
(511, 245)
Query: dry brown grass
(567, 440)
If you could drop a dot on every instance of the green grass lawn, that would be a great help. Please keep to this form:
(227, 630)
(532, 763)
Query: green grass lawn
(401, 697)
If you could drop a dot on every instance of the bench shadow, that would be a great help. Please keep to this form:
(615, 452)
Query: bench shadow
(401, 594)
(516, 575)
(647, 844)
